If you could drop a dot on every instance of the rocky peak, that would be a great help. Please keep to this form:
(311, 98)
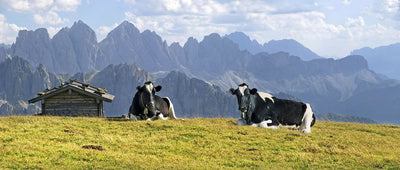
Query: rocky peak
(125, 30)
(245, 43)
(80, 29)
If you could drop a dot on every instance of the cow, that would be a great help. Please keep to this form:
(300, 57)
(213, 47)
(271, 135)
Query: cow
(146, 105)
(264, 110)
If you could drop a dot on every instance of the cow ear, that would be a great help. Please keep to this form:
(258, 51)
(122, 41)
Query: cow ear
(253, 91)
(232, 91)
(158, 88)
(138, 88)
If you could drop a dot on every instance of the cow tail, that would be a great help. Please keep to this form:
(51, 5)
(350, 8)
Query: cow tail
(171, 111)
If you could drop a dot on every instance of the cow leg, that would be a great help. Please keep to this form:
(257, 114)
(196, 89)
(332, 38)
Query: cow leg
(305, 126)
(248, 116)
(273, 123)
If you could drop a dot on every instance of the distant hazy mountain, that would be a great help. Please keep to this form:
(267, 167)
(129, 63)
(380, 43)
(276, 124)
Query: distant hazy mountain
(195, 98)
(19, 83)
(344, 118)
(286, 45)
(245, 43)
(384, 60)
(385, 104)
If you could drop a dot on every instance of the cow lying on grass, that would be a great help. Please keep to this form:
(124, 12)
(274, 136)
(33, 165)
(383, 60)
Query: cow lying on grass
(264, 110)
(146, 105)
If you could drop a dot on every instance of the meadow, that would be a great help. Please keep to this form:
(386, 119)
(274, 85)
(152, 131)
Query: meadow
(42, 142)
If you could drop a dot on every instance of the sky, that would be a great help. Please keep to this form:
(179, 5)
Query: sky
(330, 28)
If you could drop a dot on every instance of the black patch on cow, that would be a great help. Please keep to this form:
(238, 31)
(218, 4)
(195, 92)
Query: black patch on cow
(287, 112)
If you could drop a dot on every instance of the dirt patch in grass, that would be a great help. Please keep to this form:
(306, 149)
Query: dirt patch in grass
(94, 147)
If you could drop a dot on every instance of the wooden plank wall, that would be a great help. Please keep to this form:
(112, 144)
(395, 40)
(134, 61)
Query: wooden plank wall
(72, 104)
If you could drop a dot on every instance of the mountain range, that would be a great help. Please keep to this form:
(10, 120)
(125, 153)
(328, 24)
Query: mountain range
(384, 59)
(197, 74)
(286, 45)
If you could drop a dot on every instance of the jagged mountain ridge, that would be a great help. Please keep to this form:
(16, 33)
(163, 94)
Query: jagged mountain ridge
(274, 46)
(71, 50)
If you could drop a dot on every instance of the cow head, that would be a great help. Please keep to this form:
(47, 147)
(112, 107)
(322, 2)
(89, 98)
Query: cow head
(243, 94)
(147, 98)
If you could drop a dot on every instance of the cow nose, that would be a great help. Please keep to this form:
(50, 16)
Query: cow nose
(151, 105)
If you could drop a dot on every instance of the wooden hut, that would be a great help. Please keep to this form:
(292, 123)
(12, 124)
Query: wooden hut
(73, 99)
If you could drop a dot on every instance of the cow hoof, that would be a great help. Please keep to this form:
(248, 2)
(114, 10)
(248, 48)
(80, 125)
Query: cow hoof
(306, 131)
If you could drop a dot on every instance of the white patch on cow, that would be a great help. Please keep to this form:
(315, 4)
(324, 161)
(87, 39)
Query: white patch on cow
(242, 89)
(254, 125)
(305, 126)
(273, 127)
(264, 124)
(291, 127)
(171, 111)
(265, 95)
(243, 115)
(149, 87)
(241, 122)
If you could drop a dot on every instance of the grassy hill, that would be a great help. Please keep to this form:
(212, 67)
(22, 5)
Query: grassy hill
(81, 143)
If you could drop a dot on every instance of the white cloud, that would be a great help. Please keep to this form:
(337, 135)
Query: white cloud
(346, 2)
(385, 9)
(44, 11)
(50, 18)
(8, 31)
(355, 22)
(35, 6)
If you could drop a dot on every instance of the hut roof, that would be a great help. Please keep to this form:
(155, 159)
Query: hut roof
(83, 88)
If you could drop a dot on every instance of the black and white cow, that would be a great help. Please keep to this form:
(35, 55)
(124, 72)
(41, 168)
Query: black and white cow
(146, 105)
(267, 111)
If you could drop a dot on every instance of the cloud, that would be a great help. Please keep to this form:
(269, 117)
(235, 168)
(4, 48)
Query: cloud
(8, 31)
(346, 2)
(386, 9)
(43, 11)
(50, 18)
(39, 6)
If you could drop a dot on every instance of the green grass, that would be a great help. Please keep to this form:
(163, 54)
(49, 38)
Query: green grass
(35, 142)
